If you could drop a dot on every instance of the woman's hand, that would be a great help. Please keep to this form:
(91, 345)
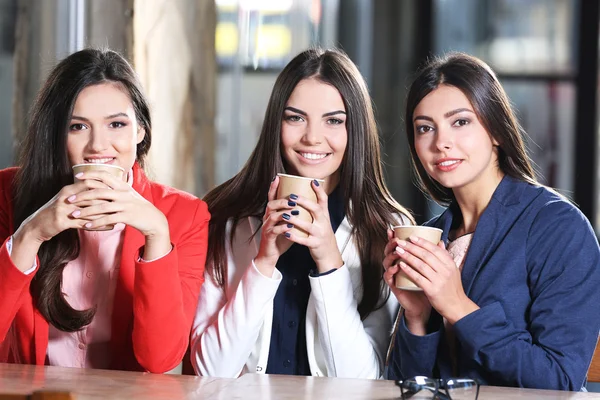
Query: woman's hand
(123, 205)
(432, 268)
(272, 243)
(417, 308)
(54, 217)
(321, 240)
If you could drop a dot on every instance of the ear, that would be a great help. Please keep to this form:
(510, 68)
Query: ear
(141, 135)
(495, 142)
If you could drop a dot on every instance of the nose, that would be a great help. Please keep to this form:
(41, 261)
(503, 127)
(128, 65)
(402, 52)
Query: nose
(312, 134)
(98, 140)
(443, 140)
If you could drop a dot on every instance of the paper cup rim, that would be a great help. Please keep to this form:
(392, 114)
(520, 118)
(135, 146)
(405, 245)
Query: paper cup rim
(418, 226)
(104, 165)
(300, 177)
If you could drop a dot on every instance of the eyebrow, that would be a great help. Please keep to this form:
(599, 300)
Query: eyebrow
(119, 114)
(328, 114)
(446, 115)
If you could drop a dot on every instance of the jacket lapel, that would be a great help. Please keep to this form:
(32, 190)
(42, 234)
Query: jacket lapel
(122, 316)
(491, 227)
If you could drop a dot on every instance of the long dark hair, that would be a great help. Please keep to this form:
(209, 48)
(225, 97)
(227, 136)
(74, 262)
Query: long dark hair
(479, 84)
(45, 167)
(369, 206)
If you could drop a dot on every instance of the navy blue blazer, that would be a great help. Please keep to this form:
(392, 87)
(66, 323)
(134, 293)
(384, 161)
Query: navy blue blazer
(533, 268)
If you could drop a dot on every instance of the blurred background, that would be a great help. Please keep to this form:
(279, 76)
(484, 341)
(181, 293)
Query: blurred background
(209, 66)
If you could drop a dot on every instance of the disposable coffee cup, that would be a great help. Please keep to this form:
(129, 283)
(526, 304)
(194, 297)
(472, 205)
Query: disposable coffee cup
(301, 186)
(114, 170)
(433, 235)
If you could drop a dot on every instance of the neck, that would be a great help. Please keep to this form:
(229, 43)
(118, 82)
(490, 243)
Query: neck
(331, 182)
(473, 200)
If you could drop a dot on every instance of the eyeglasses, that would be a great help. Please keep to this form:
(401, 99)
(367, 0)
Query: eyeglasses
(422, 387)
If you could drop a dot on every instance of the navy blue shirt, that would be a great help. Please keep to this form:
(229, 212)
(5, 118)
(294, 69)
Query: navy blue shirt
(287, 352)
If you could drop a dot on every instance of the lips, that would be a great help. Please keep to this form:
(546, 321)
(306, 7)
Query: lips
(103, 160)
(447, 164)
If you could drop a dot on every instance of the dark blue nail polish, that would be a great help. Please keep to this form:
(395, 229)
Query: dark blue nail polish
(287, 234)
(295, 212)
(294, 196)
(286, 216)
(290, 225)
(291, 203)
(316, 182)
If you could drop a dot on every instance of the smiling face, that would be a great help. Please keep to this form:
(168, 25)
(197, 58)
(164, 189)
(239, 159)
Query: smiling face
(452, 144)
(103, 127)
(313, 131)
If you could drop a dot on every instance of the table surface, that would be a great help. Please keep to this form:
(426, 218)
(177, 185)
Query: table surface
(102, 384)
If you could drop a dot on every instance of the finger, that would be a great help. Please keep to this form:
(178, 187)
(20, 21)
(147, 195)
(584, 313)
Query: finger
(277, 217)
(279, 204)
(95, 194)
(391, 246)
(302, 224)
(320, 192)
(414, 276)
(273, 189)
(431, 248)
(74, 189)
(389, 274)
(416, 263)
(301, 240)
(107, 219)
(315, 209)
(442, 245)
(390, 234)
(103, 176)
(390, 260)
(100, 209)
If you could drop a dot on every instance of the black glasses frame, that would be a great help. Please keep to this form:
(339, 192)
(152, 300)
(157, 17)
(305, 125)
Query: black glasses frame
(440, 385)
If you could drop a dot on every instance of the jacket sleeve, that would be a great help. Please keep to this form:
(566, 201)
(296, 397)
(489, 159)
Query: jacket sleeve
(226, 329)
(165, 297)
(351, 348)
(228, 324)
(563, 262)
(414, 355)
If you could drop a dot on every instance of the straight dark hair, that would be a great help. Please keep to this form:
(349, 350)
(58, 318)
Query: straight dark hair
(45, 168)
(369, 205)
(480, 85)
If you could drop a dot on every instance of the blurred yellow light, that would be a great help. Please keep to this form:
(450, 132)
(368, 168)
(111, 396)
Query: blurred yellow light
(273, 41)
(226, 39)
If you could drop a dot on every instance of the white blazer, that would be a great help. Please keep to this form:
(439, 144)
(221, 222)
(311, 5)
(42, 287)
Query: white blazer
(231, 334)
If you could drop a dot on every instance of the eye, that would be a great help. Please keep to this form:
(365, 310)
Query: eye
(335, 121)
(461, 122)
(423, 129)
(77, 127)
(117, 124)
(293, 118)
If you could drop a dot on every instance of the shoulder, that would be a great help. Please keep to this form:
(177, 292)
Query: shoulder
(174, 203)
(550, 208)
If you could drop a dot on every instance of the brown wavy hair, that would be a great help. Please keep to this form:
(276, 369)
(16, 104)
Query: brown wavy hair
(480, 85)
(369, 205)
(45, 168)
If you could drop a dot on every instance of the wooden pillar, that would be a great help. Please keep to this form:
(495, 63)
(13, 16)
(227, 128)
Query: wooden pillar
(174, 53)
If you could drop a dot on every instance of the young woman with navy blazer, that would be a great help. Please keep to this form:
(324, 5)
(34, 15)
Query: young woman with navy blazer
(116, 299)
(510, 295)
(278, 303)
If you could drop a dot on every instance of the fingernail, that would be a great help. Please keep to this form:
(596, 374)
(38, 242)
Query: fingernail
(413, 239)
(291, 203)
(402, 243)
(403, 264)
(316, 182)
(294, 196)
(286, 216)
(273, 180)
(88, 225)
(295, 212)
(71, 198)
(399, 250)
(79, 175)
(76, 213)
(287, 234)
(290, 225)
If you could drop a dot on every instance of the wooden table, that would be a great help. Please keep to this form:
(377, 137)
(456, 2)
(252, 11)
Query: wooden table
(102, 384)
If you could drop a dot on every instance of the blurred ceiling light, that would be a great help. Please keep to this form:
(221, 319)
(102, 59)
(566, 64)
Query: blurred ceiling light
(258, 5)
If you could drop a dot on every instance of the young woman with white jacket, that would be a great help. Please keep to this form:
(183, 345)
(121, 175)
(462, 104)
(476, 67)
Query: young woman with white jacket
(279, 303)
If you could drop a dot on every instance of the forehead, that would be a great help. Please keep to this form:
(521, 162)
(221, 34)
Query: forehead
(312, 94)
(103, 99)
(442, 99)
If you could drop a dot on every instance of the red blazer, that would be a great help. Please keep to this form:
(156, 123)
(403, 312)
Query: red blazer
(154, 304)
